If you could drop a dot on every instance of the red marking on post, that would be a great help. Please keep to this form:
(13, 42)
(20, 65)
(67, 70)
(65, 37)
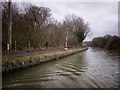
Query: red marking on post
(65, 47)
(67, 29)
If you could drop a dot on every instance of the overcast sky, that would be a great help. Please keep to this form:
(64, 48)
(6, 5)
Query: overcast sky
(102, 16)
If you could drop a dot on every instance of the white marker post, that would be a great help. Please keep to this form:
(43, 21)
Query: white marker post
(8, 48)
(66, 48)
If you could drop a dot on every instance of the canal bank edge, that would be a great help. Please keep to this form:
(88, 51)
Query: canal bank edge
(16, 64)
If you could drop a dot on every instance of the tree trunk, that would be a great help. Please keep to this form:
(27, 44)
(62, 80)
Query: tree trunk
(29, 44)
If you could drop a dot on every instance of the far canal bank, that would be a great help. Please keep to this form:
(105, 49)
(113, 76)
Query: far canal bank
(11, 65)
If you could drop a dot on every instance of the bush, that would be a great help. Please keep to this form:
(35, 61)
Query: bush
(107, 42)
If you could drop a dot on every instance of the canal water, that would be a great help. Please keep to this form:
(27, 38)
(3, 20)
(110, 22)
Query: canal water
(92, 68)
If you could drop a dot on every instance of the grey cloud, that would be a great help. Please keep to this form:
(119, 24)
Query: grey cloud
(102, 16)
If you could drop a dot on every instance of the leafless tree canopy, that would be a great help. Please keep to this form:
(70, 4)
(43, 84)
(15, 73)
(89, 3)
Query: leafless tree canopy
(34, 27)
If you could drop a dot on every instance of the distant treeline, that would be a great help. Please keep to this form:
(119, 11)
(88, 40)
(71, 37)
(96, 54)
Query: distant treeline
(34, 27)
(108, 42)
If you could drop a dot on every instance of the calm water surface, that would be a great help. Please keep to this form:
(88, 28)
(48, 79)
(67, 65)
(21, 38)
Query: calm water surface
(93, 68)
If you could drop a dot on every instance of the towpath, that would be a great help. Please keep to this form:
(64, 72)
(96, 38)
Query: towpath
(6, 55)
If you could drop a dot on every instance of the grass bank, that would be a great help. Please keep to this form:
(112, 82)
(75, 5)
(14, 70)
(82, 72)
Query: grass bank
(16, 64)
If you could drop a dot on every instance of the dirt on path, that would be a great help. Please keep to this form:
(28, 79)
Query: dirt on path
(6, 55)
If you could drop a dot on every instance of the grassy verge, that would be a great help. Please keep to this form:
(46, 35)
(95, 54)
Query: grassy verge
(39, 57)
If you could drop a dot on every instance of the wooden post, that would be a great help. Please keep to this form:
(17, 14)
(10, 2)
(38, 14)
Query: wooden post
(29, 45)
(9, 44)
(15, 46)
